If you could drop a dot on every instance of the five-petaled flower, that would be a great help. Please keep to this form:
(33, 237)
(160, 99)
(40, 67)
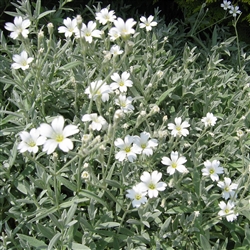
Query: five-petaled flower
(30, 141)
(137, 194)
(121, 82)
(152, 184)
(179, 128)
(127, 150)
(57, 135)
(21, 61)
(234, 10)
(105, 16)
(212, 169)
(98, 89)
(175, 163)
(227, 187)
(209, 120)
(18, 28)
(147, 23)
(226, 5)
(145, 144)
(227, 209)
(88, 32)
(115, 50)
(125, 103)
(70, 27)
(122, 28)
(98, 122)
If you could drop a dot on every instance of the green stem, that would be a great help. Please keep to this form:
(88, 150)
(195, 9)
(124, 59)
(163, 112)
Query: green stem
(238, 42)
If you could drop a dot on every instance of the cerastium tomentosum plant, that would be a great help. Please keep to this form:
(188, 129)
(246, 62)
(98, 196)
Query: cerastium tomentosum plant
(117, 134)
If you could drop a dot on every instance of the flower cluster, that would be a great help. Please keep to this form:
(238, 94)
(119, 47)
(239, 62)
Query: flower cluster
(213, 170)
(117, 89)
(88, 31)
(50, 136)
(132, 146)
(234, 10)
(149, 185)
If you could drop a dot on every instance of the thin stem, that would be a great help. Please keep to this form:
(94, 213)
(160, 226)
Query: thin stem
(238, 42)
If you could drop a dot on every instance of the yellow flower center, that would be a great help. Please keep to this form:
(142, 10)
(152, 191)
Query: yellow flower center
(227, 210)
(144, 145)
(151, 186)
(178, 128)
(123, 104)
(127, 149)
(174, 165)
(124, 31)
(59, 138)
(226, 189)
(31, 143)
(211, 171)
(121, 83)
(137, 197)
(24, 63)
(88, 33)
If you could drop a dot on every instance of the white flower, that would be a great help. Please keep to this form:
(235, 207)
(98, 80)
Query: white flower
(152, 184)
(105, 16)
(127, 150)
(209, 120)
(124, 28)
(121, 82)
(30, 141)
(115, 50)
(125, 103)
(119, 114)
(234, 10)
(85, 176)
(98, 122)
(239, 133)
(226, 5)
(114, 34)
(147, 23)
(137, 194)
(58, 135)
(69, 28)
(228, 188)
(18, 28)
(227, 210)
(175, 163)
(98, 89)
(179, 128)
(145, 144)
(21, 61)
(212, 169)
(88, 32)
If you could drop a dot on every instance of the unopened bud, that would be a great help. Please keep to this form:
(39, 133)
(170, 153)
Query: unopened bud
(50, 27)
(118, 114)
(79, 21)
(154, 109)
(165, 118)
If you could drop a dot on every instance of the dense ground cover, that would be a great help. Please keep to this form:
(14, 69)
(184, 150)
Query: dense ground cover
(123, 133)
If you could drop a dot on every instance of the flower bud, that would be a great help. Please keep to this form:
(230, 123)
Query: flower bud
(79, 21)
(85, 175)
(50, 27)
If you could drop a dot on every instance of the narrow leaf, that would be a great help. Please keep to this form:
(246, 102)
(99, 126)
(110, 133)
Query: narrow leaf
(45, 13)
(164, 96)
(33, 241)
(204, 243)
(91, 195)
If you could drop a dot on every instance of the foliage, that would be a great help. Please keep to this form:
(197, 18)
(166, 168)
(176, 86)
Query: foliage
(46, 202)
